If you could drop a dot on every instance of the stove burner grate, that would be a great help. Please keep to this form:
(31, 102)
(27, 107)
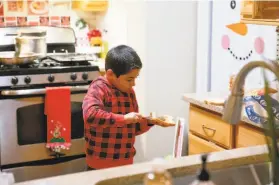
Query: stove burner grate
(54, 60)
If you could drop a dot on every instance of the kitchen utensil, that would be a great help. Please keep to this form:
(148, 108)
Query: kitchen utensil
(9, 58)
(31, 40)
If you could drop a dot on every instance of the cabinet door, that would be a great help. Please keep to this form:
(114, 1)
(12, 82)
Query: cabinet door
(249, 136)
(248, 9)
(198, 145)
(269, 9)
(211, 127)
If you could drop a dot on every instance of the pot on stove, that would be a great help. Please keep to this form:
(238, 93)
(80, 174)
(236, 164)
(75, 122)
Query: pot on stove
(31, 41)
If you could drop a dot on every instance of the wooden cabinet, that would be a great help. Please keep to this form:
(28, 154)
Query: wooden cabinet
(249, 9)
(249, 136)
(90, 5)
(209, 133)
(260, 12)
(198, 146)
(211, 127)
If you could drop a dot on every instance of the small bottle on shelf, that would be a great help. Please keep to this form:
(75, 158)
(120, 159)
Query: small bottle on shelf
(159, 175)
(203, 178)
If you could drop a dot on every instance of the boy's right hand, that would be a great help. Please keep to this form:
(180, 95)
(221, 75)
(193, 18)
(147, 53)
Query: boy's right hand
(132, 117)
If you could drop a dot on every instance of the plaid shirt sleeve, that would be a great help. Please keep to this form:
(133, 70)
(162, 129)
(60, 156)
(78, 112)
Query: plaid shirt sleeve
(94, 110)
(144, 125)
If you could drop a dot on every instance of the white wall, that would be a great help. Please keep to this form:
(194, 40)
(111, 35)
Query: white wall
(135, 10)
(170, 66)
(204, 26)
(164, 35)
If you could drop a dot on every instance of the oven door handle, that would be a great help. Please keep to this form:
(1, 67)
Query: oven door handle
(41, 91)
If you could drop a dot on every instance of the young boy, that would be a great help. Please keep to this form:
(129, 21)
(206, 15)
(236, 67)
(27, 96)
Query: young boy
(110, 112)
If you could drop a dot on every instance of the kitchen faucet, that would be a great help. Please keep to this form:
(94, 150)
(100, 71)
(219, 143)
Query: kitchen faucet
(233, 108)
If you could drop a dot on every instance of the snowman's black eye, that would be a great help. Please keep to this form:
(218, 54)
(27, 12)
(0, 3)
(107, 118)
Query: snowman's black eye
(233, 4)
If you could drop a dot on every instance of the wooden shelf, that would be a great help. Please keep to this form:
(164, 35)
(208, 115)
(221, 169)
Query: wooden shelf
(266, 22)
(260, 12)
(90, 5)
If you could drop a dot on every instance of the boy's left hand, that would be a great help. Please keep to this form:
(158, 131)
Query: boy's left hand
(132, 117)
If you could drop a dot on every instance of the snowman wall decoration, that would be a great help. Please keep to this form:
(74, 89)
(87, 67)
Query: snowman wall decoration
(241, 29)
(234, 44)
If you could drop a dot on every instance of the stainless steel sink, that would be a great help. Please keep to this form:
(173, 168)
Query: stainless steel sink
(257, 174)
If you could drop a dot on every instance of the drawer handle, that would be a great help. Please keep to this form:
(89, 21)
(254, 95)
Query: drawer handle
(208, 128)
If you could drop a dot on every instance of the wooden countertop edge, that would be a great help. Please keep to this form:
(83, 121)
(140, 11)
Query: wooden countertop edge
(180, 166)
(215, 109)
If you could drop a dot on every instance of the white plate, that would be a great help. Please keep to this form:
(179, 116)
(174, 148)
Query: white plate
(45, 10)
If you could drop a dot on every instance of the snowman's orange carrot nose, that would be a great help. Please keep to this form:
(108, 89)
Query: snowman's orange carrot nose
(239, 28)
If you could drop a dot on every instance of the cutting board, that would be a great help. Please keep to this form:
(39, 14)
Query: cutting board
(215, 101)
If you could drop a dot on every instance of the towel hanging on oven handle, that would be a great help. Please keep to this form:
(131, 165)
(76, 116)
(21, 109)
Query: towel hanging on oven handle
(41, 91)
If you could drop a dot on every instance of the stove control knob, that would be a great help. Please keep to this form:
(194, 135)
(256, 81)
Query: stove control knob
(27, 79)
(73, 76)
(14, 80)
(84, 76)
(50, 78)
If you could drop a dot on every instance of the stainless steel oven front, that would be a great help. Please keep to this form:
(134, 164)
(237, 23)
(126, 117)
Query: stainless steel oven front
(23, 134)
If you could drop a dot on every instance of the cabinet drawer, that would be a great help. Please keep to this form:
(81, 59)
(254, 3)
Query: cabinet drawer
(248, 136)
(198, 146)
(211, 127)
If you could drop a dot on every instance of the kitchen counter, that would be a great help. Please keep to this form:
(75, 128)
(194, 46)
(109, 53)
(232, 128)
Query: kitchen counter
(187, 165)
(184, 165)
(198, 99)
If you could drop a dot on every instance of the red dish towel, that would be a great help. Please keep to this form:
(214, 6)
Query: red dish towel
(58, 112)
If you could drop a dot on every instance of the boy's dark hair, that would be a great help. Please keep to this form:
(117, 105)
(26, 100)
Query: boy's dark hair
(122, 59)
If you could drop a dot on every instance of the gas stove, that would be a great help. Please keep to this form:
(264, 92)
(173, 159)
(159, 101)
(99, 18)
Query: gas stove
(23, 120)
(55, 69)
(60, 67)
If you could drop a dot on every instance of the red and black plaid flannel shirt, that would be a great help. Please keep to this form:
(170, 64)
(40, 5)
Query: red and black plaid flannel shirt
(106, 134)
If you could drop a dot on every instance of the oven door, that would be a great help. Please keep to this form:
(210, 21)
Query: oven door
(23, 126)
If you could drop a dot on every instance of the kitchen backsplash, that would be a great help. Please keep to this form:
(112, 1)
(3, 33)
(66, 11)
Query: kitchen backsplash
(60, 13)
(35, 13)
